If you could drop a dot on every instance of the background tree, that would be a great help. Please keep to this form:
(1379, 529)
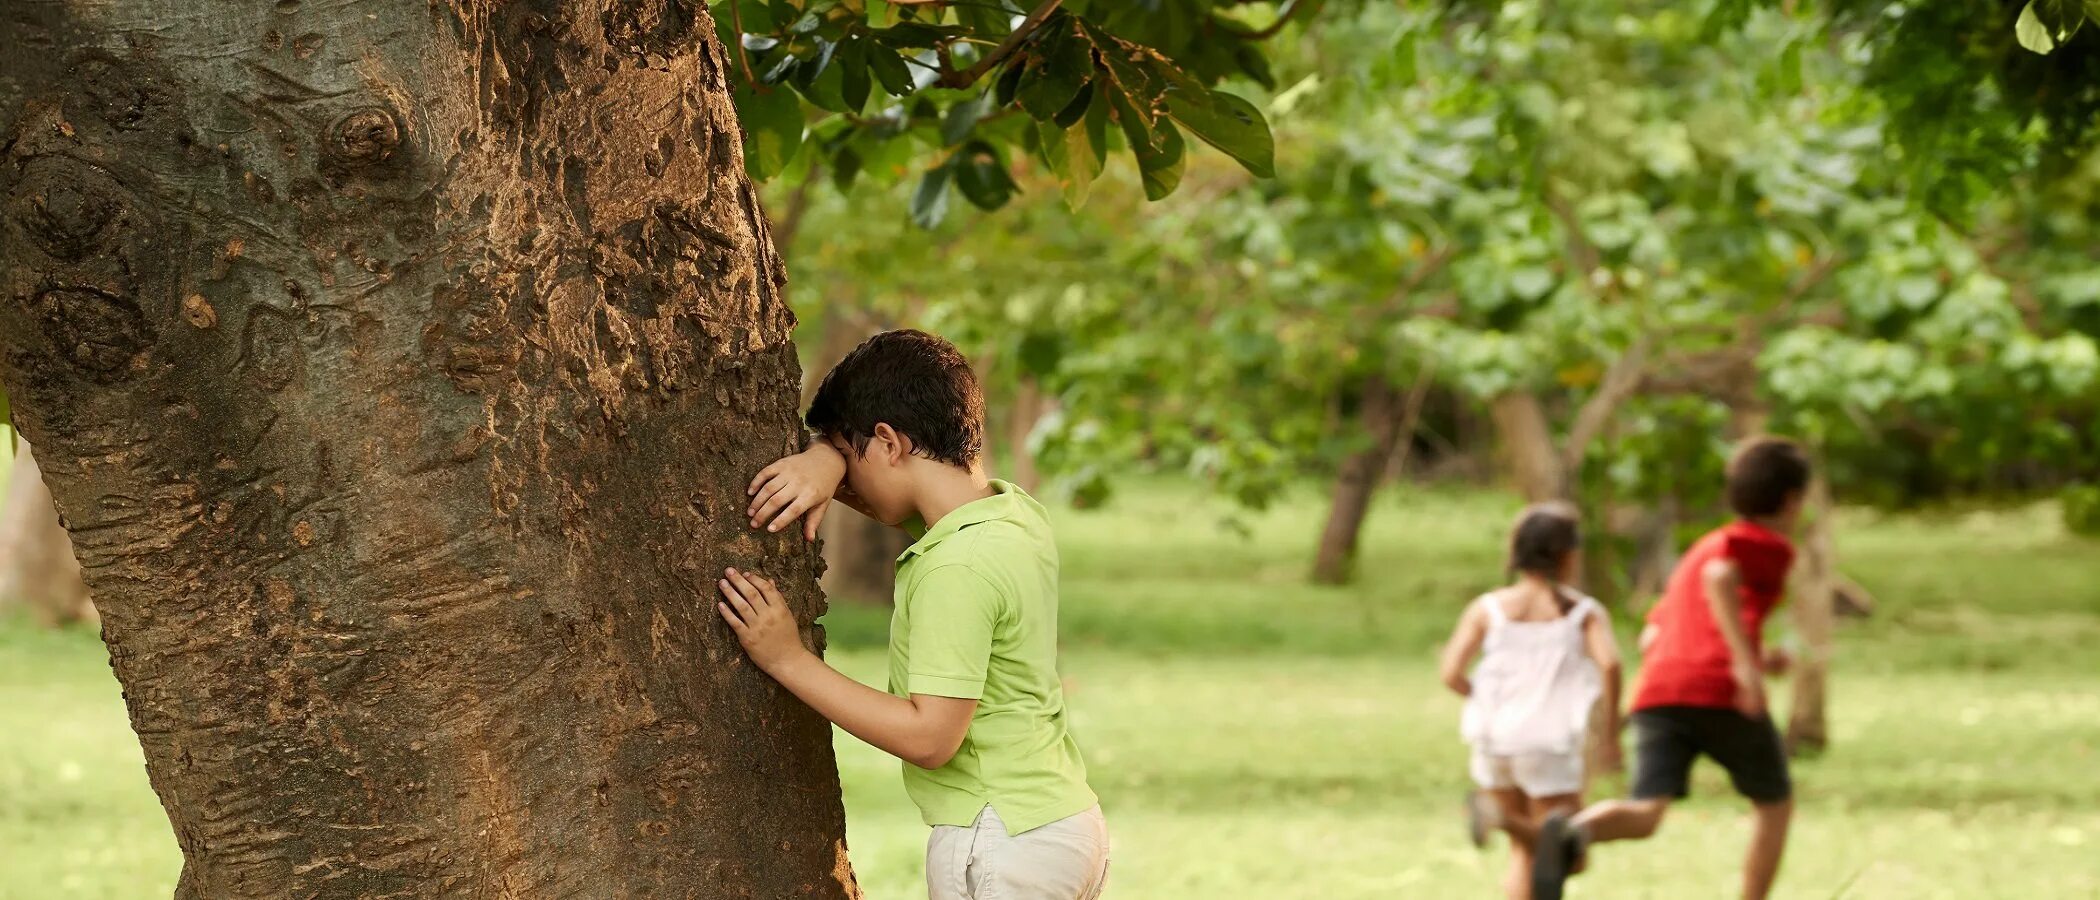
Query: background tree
(397, 373)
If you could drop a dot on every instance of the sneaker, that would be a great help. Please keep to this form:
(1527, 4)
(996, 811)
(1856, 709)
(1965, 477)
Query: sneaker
(1482, 817)
(1557, 855)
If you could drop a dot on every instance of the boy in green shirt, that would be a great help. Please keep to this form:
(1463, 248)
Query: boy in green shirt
(974, 707)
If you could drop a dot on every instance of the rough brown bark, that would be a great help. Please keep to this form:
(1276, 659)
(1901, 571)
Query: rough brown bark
(37, 568)
(1815, 618)
(1382, 413)
(398, 369)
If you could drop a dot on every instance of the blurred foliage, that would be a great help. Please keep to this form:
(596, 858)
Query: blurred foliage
(2082, 510)
(1718, 201)
(852, 89)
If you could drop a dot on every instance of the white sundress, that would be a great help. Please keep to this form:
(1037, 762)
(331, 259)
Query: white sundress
(1535, 684)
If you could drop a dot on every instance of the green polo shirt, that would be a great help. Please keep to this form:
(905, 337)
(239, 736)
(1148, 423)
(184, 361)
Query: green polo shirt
(976, 618)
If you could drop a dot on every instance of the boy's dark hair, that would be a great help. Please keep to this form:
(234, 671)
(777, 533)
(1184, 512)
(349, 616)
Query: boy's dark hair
(917, 383)
(1544, 536)
(1763, 474)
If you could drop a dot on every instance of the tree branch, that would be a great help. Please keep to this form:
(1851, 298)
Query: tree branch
(743, 60)
(1005, 49)
(1620, 382)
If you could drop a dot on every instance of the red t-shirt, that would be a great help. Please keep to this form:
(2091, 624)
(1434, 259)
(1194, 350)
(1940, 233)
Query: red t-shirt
(1688, 664)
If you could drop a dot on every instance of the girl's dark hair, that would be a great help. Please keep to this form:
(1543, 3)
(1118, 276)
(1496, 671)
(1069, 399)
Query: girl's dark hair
(1544, 536)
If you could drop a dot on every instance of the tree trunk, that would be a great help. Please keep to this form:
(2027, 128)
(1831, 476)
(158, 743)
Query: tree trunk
(37, 568)
(1527, 444)
(1815, 611)
(398, 369)
(860, 557)
(1382, 415)
(1028, 409)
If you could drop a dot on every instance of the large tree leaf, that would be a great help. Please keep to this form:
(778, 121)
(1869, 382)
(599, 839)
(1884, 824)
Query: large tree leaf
(962, 119)
(852, 63)
(929, 205)
(1161, 155)
(890, 69)
(981, 176)
(772, 120)
(1228, 123)
(1057, 71)
(1075, 154)
(2045, 25)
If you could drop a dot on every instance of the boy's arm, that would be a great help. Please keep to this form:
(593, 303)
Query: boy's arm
(803, 483)
(1458, 652)
(923, 730)
(1724, 597)
(1603, 649)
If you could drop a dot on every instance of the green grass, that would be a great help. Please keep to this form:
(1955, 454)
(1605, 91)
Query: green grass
(1254, 737)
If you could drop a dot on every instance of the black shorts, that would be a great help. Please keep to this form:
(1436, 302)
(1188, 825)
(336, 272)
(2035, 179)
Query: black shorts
(1669, 738)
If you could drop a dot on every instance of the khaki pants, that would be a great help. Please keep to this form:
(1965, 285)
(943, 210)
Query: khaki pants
(1064, 860)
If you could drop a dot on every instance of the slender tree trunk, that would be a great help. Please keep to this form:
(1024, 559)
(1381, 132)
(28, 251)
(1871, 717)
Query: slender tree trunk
(397, 369)
(37, 568)
(1387, 419)
(1815, 618)
(1527, 444)
(1028, 409)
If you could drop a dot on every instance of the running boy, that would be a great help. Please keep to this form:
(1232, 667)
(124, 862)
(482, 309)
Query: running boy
(974, 709)
(1702, 685)
(1547, 654)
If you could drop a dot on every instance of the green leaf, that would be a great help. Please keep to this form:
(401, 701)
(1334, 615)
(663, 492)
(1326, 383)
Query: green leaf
(1161, 155)
(1009, 82)
(1057, 72)
(982, 177)
(772, 121)
(1406, 59)
(1228, 123)
(2032, 33)
(1040, 352)
(986, 18)
(930, 204)
(822, 82)
(1070, 115)
(890, 69)
(845, 168)
(1096, 123)
(962, 117)
(757, 19)
(1255, 63)
(781, 70)
(852, 64)
(2045, 25)
(1075, 155)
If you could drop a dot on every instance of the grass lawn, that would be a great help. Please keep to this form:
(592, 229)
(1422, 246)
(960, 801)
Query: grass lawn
(1256, 737)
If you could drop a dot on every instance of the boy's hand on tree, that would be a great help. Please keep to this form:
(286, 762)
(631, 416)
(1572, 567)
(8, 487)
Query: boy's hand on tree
(759, 615)
(798, 484)
(1777, 661)
(1750, 690)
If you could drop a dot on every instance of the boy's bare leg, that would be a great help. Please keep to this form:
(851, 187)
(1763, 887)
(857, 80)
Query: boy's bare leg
(1621, 820)
(1767, 843)
(1522, 840)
